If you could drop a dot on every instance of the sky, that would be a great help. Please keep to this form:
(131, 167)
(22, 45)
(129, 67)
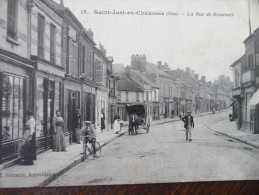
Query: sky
(206, 44)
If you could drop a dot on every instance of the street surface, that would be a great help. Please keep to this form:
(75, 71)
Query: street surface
(163, 155)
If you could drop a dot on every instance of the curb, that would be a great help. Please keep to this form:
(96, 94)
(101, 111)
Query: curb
(77, 160)
(235, 138)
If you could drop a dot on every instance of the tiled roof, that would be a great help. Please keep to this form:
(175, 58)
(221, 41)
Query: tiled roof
(125, 84)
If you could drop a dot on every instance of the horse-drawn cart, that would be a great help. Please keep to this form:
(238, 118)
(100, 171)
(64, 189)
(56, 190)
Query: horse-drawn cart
(137, 118)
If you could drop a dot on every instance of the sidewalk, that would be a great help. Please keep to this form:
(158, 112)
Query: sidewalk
(50, 165)
(230, 130)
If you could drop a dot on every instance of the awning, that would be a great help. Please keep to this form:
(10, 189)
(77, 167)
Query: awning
(254, 100)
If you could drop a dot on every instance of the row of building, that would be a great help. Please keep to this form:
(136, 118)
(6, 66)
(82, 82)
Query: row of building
(49, 62)
(246, 85)
(168, 93)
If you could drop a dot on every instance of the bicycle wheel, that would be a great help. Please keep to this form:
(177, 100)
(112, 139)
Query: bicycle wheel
(97, 148)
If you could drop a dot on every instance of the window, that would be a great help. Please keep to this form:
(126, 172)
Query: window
(52, 43)
(146, 95)
(41, 35)
(39, 107)
(127, 96)
(12, 107)
(12, 19)
(83, 60)
(99, 67)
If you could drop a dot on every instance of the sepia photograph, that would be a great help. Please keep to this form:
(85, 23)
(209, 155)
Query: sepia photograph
(113, 92)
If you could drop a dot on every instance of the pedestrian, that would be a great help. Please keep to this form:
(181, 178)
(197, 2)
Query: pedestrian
(102, 120)
(188, 125)
(172, 113)
(28, 146)
(6, 135)
(90, 133)
(77, 126)
(116, 123)
(59, 139)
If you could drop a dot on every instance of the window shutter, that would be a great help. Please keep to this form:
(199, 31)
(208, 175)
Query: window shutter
(98, 71)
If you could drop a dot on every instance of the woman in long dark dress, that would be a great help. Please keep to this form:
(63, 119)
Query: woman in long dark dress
(102, 120)
(59, 141)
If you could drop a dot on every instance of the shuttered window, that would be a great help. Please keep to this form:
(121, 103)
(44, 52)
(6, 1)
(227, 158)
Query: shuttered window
(98, 71)
(52, 43)
(83, 60)
(41, 33)
(12, 19)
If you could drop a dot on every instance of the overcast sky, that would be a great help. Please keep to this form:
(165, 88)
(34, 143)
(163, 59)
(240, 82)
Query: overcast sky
(207, 44)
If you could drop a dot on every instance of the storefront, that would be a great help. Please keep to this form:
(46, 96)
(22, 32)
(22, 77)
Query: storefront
(48, 99)
(72, 107)
(15, 99)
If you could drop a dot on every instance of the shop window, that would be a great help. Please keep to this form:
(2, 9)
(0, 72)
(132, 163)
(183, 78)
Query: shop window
(12, 19)
(12, 107)
(57, 101)
(39, 107)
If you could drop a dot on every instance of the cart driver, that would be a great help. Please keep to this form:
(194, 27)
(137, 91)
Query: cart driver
(90, 132)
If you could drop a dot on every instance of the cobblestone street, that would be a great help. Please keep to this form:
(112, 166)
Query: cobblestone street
(163, 155)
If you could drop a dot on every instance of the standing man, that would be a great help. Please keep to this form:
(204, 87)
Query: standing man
(188, 125)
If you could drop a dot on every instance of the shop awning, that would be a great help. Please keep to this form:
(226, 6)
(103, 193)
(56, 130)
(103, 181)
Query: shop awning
(254, 100)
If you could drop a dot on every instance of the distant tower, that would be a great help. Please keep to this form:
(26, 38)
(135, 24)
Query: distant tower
(138, 62)
(62, 3)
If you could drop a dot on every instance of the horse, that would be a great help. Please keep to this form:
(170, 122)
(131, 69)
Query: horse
(133, 124)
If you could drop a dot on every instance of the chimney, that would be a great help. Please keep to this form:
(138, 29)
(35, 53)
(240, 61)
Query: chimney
(62, 3)
(203, 79)
(90, 34)
(196, 76)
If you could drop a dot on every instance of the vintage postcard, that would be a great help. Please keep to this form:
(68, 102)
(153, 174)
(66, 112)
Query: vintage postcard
(96, 92)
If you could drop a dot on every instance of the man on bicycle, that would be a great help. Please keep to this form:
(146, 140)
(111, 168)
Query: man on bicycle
(90, 134)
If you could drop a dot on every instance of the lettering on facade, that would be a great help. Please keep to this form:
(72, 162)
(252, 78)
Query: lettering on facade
(2, 23)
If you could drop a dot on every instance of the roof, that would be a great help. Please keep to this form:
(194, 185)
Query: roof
(153, 69)
(237, 61)
(125, 84)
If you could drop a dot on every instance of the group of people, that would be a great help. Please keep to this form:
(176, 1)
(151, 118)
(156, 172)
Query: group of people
(28, 146)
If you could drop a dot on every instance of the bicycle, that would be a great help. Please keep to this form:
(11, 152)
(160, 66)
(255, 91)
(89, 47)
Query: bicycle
(88, 150)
